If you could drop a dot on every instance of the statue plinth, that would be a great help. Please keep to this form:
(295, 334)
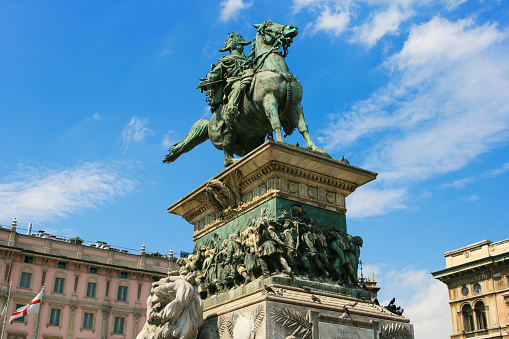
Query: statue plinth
(272, 253)
(273, 170)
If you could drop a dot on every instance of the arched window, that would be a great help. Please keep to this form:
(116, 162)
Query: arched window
(480, 315)
(468, 318)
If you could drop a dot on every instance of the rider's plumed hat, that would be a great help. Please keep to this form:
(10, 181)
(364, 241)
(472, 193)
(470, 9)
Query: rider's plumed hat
(232, 40)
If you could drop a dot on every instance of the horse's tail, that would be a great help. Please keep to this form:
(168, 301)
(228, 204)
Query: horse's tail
(198, 134)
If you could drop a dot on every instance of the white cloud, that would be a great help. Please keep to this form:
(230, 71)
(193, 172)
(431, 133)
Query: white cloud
(231, 8)
(497, 171)
(460, 183)
(333, 22)
(453, 4)
(444, 106)
(168, 141)
(86, 123)
(424, 299)
(40, 195)
(135, 131)
(368, 202)
(471, 198)
(381, 23)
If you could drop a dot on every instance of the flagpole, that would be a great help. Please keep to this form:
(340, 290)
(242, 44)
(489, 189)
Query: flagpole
(39, 316)
(6, 305)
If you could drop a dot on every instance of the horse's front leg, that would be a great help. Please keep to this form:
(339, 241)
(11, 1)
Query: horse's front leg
(298, 115)
(270, 106)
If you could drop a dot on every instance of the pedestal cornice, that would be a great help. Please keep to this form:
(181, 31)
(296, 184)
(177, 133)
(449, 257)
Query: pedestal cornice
(272, 170)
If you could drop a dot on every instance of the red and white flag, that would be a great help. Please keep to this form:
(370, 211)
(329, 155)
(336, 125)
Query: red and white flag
(31, 308)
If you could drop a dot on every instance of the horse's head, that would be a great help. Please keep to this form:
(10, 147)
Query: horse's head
(275, 34)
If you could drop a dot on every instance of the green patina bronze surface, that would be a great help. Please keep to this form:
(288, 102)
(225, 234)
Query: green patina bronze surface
(324, 219)
(279, 237)
(250, 97)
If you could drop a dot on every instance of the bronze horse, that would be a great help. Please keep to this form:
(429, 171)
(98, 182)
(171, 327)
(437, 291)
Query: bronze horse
(271, 102)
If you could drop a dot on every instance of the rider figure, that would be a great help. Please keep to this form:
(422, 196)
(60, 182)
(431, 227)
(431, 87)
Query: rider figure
(232, 69)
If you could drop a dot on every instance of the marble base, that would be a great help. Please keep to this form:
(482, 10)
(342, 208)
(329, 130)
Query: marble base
(296, 312)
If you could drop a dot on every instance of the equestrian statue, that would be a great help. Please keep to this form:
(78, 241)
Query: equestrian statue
(249, 97)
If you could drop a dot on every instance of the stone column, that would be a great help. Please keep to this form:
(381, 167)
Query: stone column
(73, 307)
(104, 327)
(136, 326)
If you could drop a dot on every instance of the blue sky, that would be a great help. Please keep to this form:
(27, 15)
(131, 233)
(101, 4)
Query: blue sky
(92, 94)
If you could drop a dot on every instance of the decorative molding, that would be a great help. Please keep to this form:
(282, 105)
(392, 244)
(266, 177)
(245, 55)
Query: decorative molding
(258, 316)
(394, 331)
(293, 320)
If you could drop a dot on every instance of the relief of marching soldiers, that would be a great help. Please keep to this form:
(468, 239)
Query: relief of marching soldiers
(291, 245)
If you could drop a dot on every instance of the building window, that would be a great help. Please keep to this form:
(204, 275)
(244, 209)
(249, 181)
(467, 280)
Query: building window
(29, 260)
(21, 319)
(155, 279)
(464, 291)
(54, 318)
(58, 287)
(91, 289)
(62, 264)
(480, 315)
(93, 270)
(88, 321)
(123, 275)
(468, 318)
(477, 288)
(118, 326)
(25, 280)
(122, 293)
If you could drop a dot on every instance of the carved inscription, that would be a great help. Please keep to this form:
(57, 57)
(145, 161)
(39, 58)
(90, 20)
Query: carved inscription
(342, 331)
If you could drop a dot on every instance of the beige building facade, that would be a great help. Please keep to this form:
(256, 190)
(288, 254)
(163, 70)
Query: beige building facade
(477, 277)
(91, 290)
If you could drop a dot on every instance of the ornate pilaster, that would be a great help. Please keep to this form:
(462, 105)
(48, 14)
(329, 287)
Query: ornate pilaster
(73, 307)
(136, 326)
(107, 290)
(104, 327)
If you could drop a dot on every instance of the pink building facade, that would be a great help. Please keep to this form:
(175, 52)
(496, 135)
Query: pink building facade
(90, 291)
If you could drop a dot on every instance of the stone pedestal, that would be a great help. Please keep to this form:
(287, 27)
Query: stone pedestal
(286, 186)
(252, 313)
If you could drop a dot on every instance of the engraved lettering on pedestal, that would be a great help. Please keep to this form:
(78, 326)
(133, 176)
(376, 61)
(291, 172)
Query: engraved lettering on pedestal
(343, 331)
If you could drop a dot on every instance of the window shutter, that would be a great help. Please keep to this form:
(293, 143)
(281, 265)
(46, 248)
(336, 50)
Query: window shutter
(88, 320)
(119, 325)
(122, 293)
(59, 285)
(25, 280)
(54, 317)
(91, 289)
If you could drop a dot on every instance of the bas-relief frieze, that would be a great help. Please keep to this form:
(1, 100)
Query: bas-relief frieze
(268, 241)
